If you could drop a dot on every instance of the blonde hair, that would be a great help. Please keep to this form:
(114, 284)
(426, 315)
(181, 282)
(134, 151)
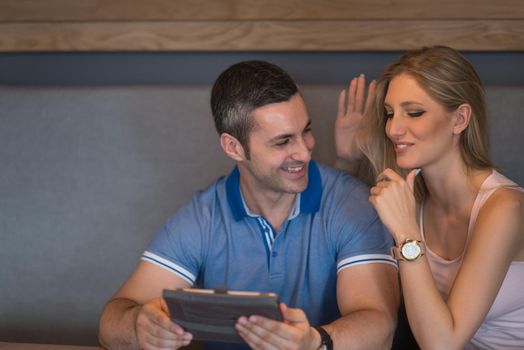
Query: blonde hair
(449, 79)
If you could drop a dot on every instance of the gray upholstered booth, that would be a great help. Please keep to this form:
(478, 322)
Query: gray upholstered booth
(88, 174)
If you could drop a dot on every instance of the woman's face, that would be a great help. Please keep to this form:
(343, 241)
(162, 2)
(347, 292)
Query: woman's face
(420, 129)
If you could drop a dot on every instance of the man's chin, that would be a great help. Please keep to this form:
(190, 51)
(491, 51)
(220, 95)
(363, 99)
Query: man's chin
(297, 188)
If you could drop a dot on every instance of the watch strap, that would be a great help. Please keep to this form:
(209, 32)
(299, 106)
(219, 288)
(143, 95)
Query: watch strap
(325, 339)
(395, 253)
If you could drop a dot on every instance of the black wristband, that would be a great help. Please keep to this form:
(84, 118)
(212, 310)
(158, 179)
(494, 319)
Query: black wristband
(325, 338)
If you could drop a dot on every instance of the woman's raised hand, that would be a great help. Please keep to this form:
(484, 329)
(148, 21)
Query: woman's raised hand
(351, 110)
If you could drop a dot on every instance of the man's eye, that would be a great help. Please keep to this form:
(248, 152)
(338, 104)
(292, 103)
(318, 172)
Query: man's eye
(307, 130)
(282, 143)
(416, 114)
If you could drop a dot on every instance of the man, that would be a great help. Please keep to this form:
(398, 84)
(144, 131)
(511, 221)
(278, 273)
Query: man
(279, 223)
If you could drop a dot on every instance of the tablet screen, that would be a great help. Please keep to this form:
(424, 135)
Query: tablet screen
(211, 315)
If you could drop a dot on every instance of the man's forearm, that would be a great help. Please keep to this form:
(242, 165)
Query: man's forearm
(117, 325)
(365, 329)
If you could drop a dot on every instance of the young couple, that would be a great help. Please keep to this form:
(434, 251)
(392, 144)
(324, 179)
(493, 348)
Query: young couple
(280, 222)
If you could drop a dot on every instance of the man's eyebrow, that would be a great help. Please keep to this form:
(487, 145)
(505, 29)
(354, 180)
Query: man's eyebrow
(287, 136)
(308, 125)
(281, 137)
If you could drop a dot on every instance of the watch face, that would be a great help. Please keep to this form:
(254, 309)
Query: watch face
(410, 250)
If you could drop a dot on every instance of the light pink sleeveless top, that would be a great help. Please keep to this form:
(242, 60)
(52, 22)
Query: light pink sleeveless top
(503, 327)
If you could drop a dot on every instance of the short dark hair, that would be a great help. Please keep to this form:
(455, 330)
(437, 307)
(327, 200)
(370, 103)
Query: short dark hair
(244, 87)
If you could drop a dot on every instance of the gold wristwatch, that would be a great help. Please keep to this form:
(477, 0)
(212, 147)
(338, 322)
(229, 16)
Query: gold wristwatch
(409, 250)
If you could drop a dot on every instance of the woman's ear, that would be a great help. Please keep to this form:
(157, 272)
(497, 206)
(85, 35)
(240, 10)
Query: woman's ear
(462, 118)
(232, 147)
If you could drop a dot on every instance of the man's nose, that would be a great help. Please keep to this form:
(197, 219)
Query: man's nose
(303, 148)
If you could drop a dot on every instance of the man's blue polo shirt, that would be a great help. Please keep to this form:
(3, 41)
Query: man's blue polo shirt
(214, 241)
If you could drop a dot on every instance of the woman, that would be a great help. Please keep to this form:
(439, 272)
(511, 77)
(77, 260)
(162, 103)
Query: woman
(457, 222)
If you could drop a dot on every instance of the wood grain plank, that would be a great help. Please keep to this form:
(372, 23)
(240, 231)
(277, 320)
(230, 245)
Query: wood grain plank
(29, 346)
(152, 10)
(495, 35)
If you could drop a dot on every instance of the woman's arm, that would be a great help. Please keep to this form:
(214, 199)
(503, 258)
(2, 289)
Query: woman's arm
(497, 238)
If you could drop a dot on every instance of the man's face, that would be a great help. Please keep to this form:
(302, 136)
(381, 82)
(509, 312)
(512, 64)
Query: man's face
(280, 148)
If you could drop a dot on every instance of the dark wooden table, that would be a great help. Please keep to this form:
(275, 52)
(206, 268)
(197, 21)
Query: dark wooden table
(27, 346)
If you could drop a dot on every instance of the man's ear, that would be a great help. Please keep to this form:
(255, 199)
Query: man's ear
(462, 118)
(232, 147)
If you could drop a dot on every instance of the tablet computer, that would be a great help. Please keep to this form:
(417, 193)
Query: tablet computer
(210, 315)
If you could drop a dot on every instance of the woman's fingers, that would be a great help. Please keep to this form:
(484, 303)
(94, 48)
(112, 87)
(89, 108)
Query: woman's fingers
(341, 112)
(352, 91)
(360, 93)
(371, 95)
(389, 175)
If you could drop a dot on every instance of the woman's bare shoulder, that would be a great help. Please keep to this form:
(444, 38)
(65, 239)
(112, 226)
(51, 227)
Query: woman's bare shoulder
(503, 214)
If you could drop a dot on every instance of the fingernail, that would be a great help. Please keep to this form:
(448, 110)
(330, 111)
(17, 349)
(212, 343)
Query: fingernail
(417, 171)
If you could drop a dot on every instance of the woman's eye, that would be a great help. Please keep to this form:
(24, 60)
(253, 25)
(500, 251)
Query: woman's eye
(388, 115)
(416, 114)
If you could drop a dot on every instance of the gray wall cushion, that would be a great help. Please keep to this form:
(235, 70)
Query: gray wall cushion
(88, 174)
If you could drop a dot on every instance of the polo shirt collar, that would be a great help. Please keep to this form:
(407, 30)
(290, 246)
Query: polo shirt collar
(306, 202)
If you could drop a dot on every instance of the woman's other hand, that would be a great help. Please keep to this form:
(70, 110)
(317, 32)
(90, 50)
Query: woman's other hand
(351, 110)
(393, 199)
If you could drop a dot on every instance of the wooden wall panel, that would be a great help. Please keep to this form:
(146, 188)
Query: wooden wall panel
(170, 10)
(262, 36)
(272, 25)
